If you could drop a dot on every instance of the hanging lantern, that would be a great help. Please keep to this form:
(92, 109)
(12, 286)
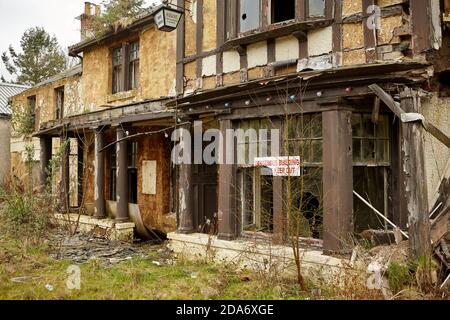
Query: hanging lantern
(167, 18)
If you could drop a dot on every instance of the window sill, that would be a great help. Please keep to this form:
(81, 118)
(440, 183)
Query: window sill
(272, 31)
(124, 95)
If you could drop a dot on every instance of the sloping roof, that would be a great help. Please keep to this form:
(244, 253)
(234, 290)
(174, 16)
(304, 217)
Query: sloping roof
(7, 91)
(140, 22)
(78, 69)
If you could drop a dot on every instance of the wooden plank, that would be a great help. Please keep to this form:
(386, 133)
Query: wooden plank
(440, 227)
(421, 24)
(337, 179)
(227, 209)
(437, 133)
(415, 183)
(387, 99)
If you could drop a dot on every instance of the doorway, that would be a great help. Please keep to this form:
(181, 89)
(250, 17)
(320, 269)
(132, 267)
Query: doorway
(205, 204)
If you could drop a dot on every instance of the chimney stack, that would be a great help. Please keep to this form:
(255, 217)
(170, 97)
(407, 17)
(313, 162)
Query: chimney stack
(91, 10)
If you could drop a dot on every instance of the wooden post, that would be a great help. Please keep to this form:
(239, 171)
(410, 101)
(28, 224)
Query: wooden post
(227, 209)
(414, 179)
(185, 206)
(122, 176)
(45, 156)
(65, 174)
(99, 177)
(337, 179)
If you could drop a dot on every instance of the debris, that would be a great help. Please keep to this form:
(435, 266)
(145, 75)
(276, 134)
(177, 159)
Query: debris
(82, 248)
(23, 279)
(446, 281)
(245, 278)
(194, 275)
(49, 287)
(156, 263)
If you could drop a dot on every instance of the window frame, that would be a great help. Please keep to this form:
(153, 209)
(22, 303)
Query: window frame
(59, 103)
(385, 166)
(123, 66)
(233, 17)
(254, 174)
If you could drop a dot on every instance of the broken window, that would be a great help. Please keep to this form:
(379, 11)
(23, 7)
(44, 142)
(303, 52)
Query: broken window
(31, 102)
(371, 161)
(316, 8)
(117, 72)
(59, 108)
(282, 10)
(305, 210)
(133, 66)
(256, 190)
(255, 185)
(249, 18)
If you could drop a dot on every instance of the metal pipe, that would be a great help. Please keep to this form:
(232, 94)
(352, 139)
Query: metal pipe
(379, 213)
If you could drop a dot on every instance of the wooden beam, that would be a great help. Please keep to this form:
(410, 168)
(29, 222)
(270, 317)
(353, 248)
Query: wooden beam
(398, 111)
(337, 179)
(227, 208)
(415, 183)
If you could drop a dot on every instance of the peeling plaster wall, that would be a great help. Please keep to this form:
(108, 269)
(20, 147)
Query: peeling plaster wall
(154, 208)
(320, 41)
(392, 43)
(286, 48)
(257, 54)
(156, 72)
(209, 24)
(437, 156)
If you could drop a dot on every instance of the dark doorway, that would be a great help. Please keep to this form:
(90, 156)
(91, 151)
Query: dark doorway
(205, 205)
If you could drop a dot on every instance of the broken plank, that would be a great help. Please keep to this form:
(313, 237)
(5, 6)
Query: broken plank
(387, 99)
(440, 227)
(437, 133)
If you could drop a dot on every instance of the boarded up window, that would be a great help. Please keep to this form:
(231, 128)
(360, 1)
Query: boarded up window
(149, 177)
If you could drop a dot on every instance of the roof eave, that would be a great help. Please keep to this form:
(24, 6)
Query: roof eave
(76, 49)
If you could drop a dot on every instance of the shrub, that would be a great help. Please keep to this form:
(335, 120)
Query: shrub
(23, 212)
(399, 276)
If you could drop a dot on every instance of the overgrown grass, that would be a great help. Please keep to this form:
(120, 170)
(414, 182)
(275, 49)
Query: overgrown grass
(136, 279)
(400, 276)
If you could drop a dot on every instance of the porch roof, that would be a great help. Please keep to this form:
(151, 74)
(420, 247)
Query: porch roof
(404, 72)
